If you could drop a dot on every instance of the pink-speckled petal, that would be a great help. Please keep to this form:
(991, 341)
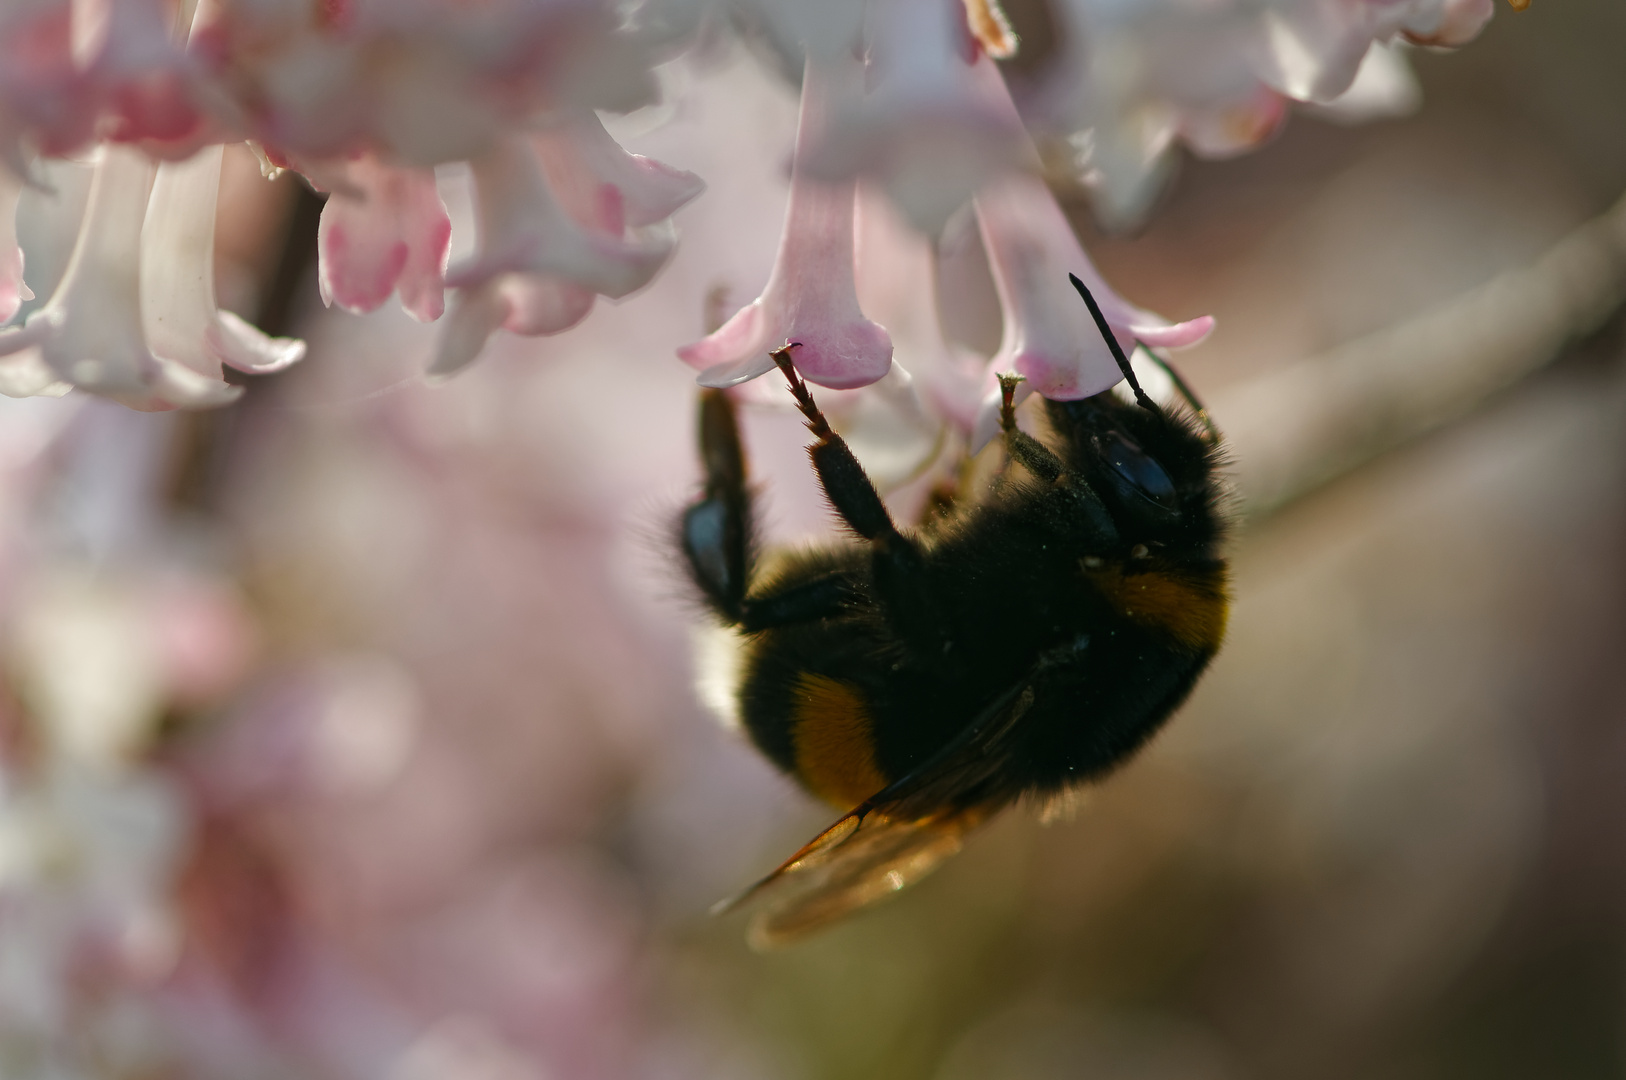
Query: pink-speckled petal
(384, 228)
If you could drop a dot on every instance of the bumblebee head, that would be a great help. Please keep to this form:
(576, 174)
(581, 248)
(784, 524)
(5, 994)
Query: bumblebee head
(1154, 468)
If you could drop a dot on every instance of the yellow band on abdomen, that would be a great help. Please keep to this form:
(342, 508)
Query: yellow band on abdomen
(834, 741)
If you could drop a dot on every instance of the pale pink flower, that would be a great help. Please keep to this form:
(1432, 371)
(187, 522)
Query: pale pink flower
(149, 84)
(46, 105)
(1050, 338)
(93, 332)
(424, 81)
(1139, 79)
(182, 320)
(384, 229)
(564, 216)
(810, 299)
(927, 132)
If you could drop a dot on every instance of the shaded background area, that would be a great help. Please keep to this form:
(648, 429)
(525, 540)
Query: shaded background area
(462, 816)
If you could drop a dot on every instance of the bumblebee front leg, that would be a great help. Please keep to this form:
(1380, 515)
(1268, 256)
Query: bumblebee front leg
(896, 559)
(1024, 448)
(842, 477)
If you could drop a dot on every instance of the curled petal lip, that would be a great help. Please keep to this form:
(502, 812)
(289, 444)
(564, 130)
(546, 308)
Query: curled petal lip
(613, 268)
(1172, 336)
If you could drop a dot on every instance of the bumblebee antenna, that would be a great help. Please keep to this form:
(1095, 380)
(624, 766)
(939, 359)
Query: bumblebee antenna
(1112, 343)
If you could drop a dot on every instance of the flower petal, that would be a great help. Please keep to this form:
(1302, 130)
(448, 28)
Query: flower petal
(384, 228)
(97, 340)
(1050, 337)
(179, 314)
(651, 191)
(244, 346)
(524, 229)
(933, 130)
(811, 299)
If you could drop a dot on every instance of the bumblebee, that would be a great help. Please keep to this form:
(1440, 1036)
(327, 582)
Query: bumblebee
(1012, 649)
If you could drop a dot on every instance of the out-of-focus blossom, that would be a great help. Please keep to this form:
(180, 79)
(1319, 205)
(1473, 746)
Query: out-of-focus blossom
(384, 229)
(137, 322)
(563, 218)
(366, 97)
(425, 81)
(927, 129)
(810, 299)
(182, 319)
(86, 861)
(1137, 79)
(150, 85)
(47, 106)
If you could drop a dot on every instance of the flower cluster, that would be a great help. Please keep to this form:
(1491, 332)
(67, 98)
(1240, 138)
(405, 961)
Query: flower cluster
(1137, 79)
(365, 98)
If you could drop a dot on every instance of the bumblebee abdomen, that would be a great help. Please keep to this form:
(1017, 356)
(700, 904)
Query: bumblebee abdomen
(832, 731)
(805, 704)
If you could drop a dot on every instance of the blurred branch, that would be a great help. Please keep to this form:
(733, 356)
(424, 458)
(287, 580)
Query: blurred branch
(1298, 428)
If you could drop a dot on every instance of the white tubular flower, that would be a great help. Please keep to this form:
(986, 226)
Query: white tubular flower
(13, 289)
(183, 322)
(92, 332)
(927, 133)
(810, 299)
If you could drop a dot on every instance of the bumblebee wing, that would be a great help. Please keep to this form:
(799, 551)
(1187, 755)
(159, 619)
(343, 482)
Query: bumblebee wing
(851, 865)
(895, 837)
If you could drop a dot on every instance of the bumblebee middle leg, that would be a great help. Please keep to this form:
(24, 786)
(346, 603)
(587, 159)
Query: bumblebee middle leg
(897, 561)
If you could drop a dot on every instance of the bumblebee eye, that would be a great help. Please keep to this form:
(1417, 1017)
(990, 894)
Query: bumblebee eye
(1145, 476)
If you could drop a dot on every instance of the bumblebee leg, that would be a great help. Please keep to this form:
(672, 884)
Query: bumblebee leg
(1032, 454)
(718, 541)
(898, 563)
(842, 477)
(804, 602)
(716, 530)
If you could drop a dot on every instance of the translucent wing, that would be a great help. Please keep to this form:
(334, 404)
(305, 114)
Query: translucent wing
(895, 837)
(850, 865)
